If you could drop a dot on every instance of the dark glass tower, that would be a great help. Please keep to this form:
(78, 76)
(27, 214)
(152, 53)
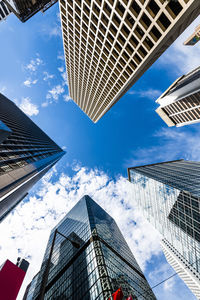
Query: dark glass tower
(102, 264)
(26, 154)
(25, 9)
(169, 195)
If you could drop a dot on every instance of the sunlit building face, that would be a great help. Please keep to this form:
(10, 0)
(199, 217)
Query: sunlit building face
(109, 44)
(169, 196)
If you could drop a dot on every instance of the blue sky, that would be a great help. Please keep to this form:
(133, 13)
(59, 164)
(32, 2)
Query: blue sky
(33, 75)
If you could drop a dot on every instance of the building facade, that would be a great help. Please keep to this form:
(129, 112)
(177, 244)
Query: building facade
(109, 44)
(11, 278)
(169, 196)
(4, 11)
(26, 154)
(180, 103)
(194, 38)
(25, 9)
(100, 265)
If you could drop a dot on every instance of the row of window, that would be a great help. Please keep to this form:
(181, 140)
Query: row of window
(104, 92)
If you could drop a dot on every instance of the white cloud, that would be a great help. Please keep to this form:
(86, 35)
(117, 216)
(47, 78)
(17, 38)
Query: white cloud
(28, 82)
(61, 69)
(3, 89)
(55, 92)
(47, 76)
(183, 58)
(61, 57)
(63, 74)
(32, 221)
(67, 98)
(45, 104)
(28, 107)
(161, 272)
(169, 284)
(52, 30)
(55, 31)
(150, 93)
(34, 63)
(173, 143)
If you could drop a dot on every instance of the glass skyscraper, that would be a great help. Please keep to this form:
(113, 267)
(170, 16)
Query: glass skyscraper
(102, 264)
(169, 195)
(26, 154)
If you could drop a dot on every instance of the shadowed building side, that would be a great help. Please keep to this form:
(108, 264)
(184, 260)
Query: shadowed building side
(26, 154)
(168, 195)
(25, 9)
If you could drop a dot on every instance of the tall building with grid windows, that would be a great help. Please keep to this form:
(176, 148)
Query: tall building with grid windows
(100, 265)
(4, 10)
(169, 196)
(180, 103)
(26, 154)
(109, 44)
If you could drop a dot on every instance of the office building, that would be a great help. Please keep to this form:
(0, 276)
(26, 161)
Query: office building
(180, 103)
(25, 9)
(194, 38)
(109, 44)
(4, 11)
(88, 258)
(26, 154)
(169, 196)
(11, 278)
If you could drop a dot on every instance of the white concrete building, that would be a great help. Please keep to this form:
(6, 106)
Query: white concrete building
(109, 44)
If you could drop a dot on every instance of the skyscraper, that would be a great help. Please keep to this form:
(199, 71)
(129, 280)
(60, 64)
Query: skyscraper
(180, 103)
(110, 44)
(194, 38)
(25, 9)
(26, 154)
(4, 11)
(169, 196)
(11, 278)
(88, 258)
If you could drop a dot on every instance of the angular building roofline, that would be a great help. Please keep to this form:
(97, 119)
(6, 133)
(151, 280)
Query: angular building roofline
(88, 223)
(25, 9)
(176, 82)
(149, 165)
(180, 103)
(27, 117)
(196, 34)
